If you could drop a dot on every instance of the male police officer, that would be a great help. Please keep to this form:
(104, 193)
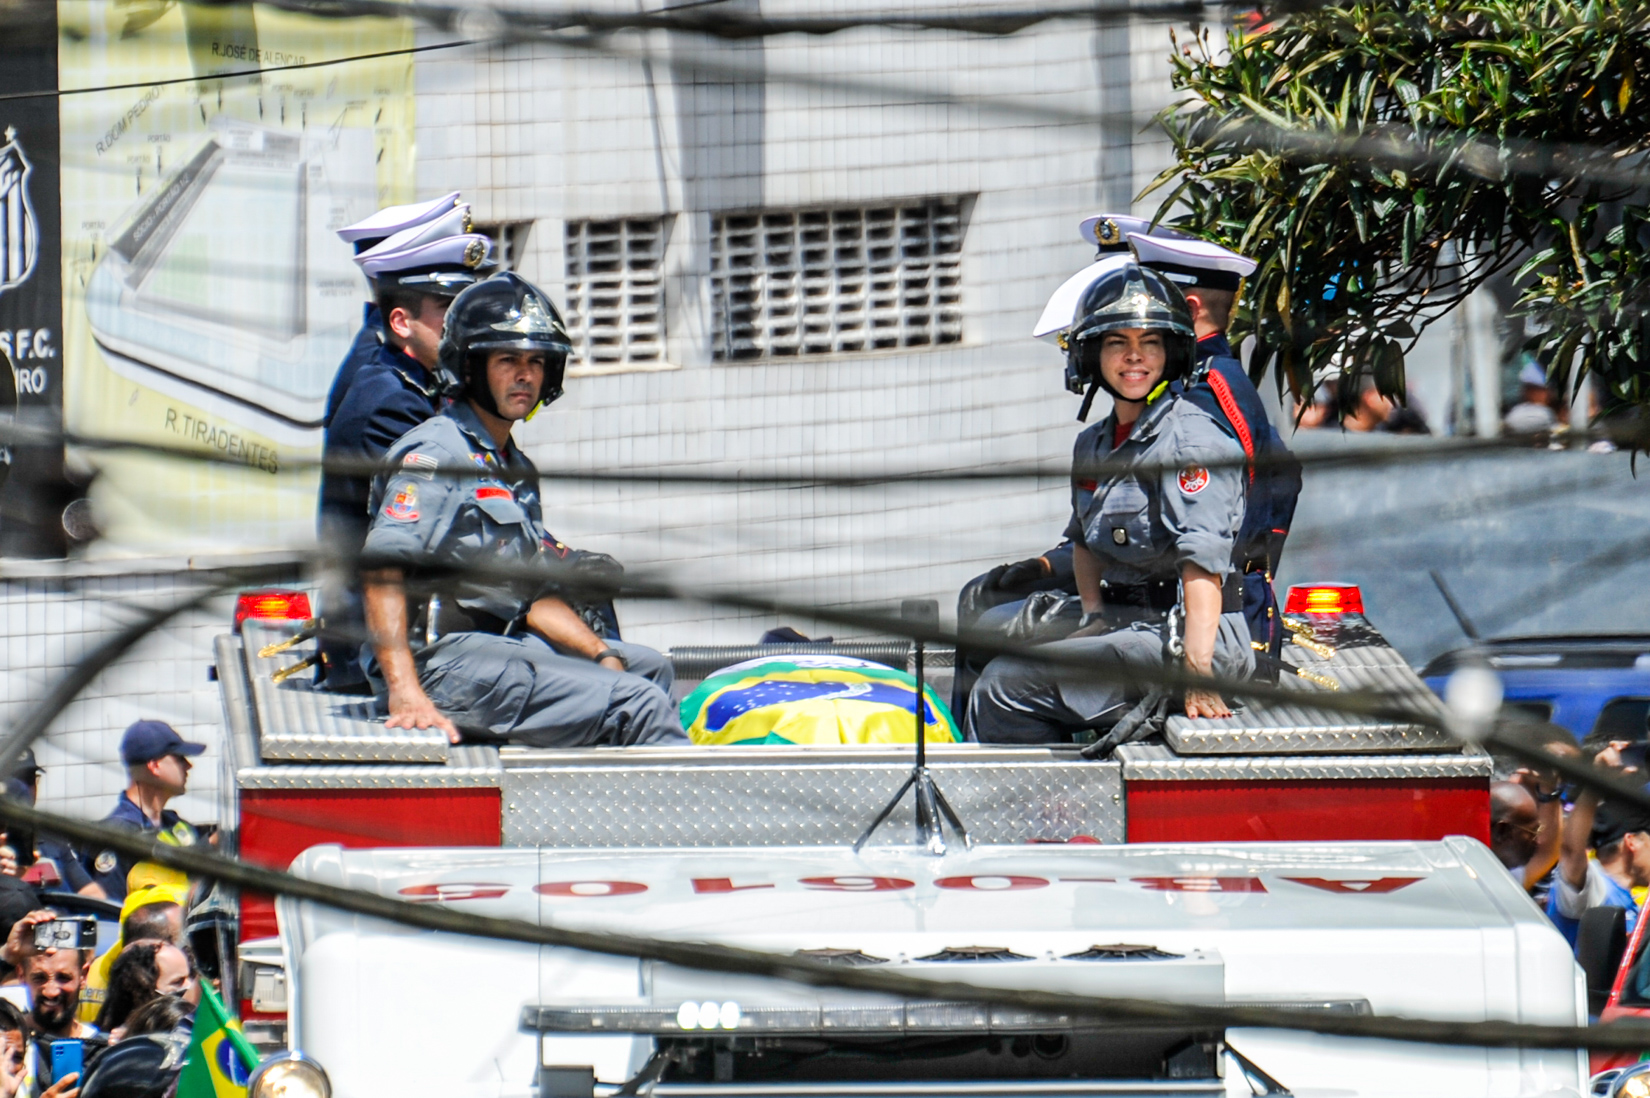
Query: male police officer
(1153, 548)
(157, 761)
(416, 272)
(503, 656)
(362, 236)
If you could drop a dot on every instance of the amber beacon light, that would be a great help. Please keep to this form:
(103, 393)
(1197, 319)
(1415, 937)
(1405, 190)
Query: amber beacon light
(1324, 598)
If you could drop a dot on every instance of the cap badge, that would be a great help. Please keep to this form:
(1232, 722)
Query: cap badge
(1108, 233)
(530, 319)
(474, 252)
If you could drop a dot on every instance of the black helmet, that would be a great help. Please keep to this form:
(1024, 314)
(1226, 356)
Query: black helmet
(1127, 296)
(502, 313)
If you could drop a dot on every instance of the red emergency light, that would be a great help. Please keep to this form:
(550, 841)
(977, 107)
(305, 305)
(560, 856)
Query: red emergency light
(1324, 598)
(272, 606)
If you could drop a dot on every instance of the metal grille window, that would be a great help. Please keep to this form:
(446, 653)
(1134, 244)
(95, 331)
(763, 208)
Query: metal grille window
(615, 307)
(822, 282)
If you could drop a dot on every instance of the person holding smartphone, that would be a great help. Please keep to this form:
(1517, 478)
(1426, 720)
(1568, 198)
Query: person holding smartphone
(54, 977)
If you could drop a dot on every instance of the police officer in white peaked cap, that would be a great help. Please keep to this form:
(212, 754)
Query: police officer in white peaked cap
(361, 236)
(417, 259)
(1153, 549)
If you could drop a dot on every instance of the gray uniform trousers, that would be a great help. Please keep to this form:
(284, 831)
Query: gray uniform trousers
(522, 690)
(1020, 702)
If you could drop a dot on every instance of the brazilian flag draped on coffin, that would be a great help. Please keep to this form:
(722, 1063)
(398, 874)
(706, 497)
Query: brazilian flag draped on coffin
(812, 701)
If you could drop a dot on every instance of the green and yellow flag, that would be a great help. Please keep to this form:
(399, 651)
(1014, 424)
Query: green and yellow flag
(220, 1059)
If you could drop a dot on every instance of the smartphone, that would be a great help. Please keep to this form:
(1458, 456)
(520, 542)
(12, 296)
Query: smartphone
(71, 932)
(67, 1056)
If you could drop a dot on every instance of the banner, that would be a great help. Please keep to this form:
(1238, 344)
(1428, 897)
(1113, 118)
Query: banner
(31, 304)
(207, 301)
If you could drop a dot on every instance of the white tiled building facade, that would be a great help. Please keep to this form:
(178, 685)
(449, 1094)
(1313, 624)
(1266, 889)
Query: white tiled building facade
(818, 274)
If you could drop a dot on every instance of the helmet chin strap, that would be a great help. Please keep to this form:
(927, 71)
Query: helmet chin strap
(480, 392)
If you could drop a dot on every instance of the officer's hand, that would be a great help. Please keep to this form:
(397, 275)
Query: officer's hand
(416, 710)
(8, 861)
(1023, 575)
(1206, 703)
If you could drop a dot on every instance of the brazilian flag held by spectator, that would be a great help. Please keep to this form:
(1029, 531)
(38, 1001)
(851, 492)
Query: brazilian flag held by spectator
(220, 1059)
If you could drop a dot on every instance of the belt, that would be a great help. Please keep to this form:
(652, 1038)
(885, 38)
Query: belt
(453, 618)
(1162, 594)
(1154, 594)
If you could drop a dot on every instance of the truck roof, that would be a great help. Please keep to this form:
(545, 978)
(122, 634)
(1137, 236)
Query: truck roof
(1425, 929)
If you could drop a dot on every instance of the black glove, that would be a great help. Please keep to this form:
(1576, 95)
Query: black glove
(1021, 576)
(596, 567)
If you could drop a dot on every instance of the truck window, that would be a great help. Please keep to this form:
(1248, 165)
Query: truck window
(1622, 719)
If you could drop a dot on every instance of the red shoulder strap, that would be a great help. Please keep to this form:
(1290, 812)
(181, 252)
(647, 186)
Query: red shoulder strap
(1234, 415)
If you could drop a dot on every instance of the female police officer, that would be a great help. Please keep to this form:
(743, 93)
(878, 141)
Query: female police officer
(1157, 501)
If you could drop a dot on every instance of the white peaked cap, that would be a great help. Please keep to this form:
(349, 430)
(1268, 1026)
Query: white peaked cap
(455, 222)
(463, 251)
(1116, 228)
(393, 219)
(1192, 262)
(1061, 311)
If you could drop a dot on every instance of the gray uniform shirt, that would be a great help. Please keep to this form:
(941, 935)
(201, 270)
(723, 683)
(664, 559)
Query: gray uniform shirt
(494, 516)
(1145, 525)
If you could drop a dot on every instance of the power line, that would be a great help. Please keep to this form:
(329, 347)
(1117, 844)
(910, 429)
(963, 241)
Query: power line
(1373, 456)
(1622, 1036)
(58, 93)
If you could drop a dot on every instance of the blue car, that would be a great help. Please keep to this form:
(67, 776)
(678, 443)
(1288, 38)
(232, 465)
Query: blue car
(1596, 687)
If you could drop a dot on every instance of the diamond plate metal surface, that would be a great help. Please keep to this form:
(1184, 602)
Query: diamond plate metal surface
(298, 725)
(1308, 730)
(370, 776)
(687, 798)
(1156, 763)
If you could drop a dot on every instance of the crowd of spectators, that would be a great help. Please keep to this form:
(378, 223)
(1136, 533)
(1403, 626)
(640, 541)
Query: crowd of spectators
(130, 1007)
(1574, 853)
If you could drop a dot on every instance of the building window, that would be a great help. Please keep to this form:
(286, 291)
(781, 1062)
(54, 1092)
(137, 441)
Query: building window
(615, 308)
(838, 281)
(509, 241)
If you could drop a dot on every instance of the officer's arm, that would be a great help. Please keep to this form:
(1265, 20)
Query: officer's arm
(386, 612)
(556, 622)
(1087, 570)
(1202, 594)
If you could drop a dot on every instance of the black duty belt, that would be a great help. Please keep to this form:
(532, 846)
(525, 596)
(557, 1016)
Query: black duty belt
(453, 618)
(1154, 594)
(1161, 595)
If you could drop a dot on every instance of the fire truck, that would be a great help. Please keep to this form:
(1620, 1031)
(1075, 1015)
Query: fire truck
(307, 769)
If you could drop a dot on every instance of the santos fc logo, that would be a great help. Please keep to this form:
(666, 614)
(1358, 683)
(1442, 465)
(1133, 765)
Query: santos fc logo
(19, 233)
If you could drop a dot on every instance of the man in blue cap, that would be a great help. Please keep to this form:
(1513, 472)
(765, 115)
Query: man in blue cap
(157, 760)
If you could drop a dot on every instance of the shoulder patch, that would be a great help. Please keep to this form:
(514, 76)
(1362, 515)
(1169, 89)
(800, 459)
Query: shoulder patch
(105, 861)
(1193, 479)
(403, 506)
(493, 491)
(419, 465)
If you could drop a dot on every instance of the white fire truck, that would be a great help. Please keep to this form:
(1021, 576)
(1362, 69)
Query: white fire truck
(1425, 929)
(306, 769)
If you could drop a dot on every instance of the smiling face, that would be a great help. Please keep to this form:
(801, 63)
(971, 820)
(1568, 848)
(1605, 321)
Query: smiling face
(1132, 362)
(516, 379)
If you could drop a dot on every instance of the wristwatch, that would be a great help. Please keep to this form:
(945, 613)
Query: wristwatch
(1548, 798)
(612, 653)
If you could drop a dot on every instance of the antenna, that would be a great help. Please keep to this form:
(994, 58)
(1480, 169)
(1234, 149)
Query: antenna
(932, 809)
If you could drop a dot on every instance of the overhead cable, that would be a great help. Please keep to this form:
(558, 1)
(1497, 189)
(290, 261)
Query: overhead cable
(1626, 1036)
